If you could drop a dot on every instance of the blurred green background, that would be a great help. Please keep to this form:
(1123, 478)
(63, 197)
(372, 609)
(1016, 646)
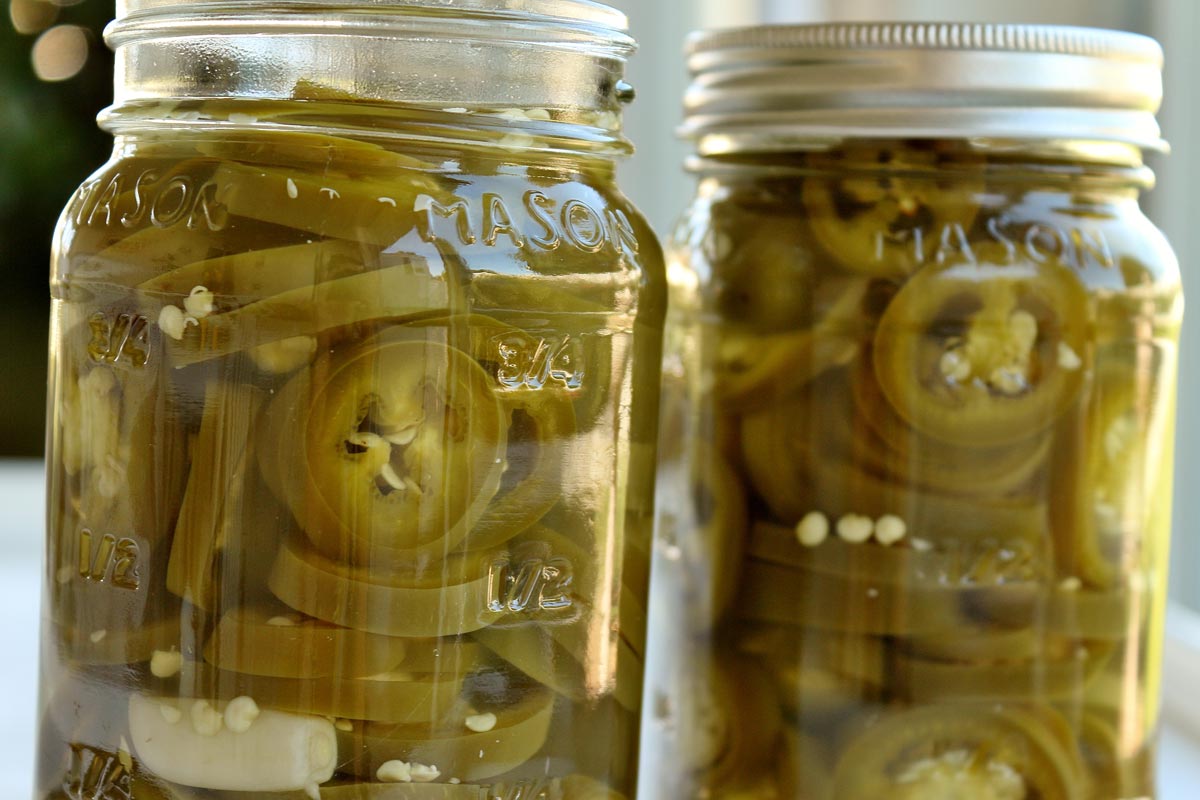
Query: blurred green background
(55, 75)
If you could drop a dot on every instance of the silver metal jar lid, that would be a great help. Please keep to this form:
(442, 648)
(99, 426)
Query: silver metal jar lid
(781, 87)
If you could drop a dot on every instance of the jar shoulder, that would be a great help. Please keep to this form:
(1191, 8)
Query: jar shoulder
(742, 229)
(158, 208)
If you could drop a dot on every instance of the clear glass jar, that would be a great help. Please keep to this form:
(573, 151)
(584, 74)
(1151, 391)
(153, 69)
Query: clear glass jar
(355, 359)
(916, 458)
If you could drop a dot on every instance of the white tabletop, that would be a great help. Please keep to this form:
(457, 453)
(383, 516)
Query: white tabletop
(21, 515)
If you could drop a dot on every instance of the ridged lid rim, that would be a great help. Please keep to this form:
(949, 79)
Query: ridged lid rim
(777, 85)
(999, 37)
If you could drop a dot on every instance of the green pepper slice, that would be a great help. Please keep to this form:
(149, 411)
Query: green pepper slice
(518, 735)
(889, 446)
(897, 211)
(984, 752)
(114, 429)
(542, 423)
(1057, 677)
(753, 369)
(552, 658)
(559, 649)
(318, 152)
(814, 601)
(801, 458)
(945, 564)
(1109, 498)
(223, 503)
(372, 210)
(356, 790)
(763, 273)
(1117, 769)
(987, 352)
(820, 678)
(443, 600)
(395, 697)
(400, 454)
(308, 291)
(270, 640)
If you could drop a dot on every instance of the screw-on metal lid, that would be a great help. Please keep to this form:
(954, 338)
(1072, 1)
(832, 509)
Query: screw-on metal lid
(780, 87)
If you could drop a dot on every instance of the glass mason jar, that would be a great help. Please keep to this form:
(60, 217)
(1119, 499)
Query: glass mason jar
(916, 459)
(355, 360)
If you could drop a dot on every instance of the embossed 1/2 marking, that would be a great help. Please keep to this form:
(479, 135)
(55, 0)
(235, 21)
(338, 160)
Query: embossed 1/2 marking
(109, 559)
(119, 338)
(96, 775)
(532, 363)
(530, 585)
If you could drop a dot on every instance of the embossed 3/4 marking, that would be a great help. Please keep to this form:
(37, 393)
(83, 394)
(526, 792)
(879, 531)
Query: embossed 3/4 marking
(528, 362)
(530, 585)
(96, 775)
(109, 559)
(119, 338)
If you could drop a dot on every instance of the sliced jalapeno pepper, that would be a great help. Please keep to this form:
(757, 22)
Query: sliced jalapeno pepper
(814, 601)
(945, 564)
(220, 506)
(552, 657)
(542, 422)
(114, 431)
(963, 750)
(270, 640)
(135, 642)
(400, 454)
(356, 209)
(753, 369)
(1108, 495)
(322, 288)
(893, 448)
(763, 273)
(318, 152)
(1116, 770)
(1062, 677)
(894, 214)
(357, 790)
(581, 787)
(819, 677)
(397, 697)
(801, 459)
(445, 600)
(519, 733)
(987, 352)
